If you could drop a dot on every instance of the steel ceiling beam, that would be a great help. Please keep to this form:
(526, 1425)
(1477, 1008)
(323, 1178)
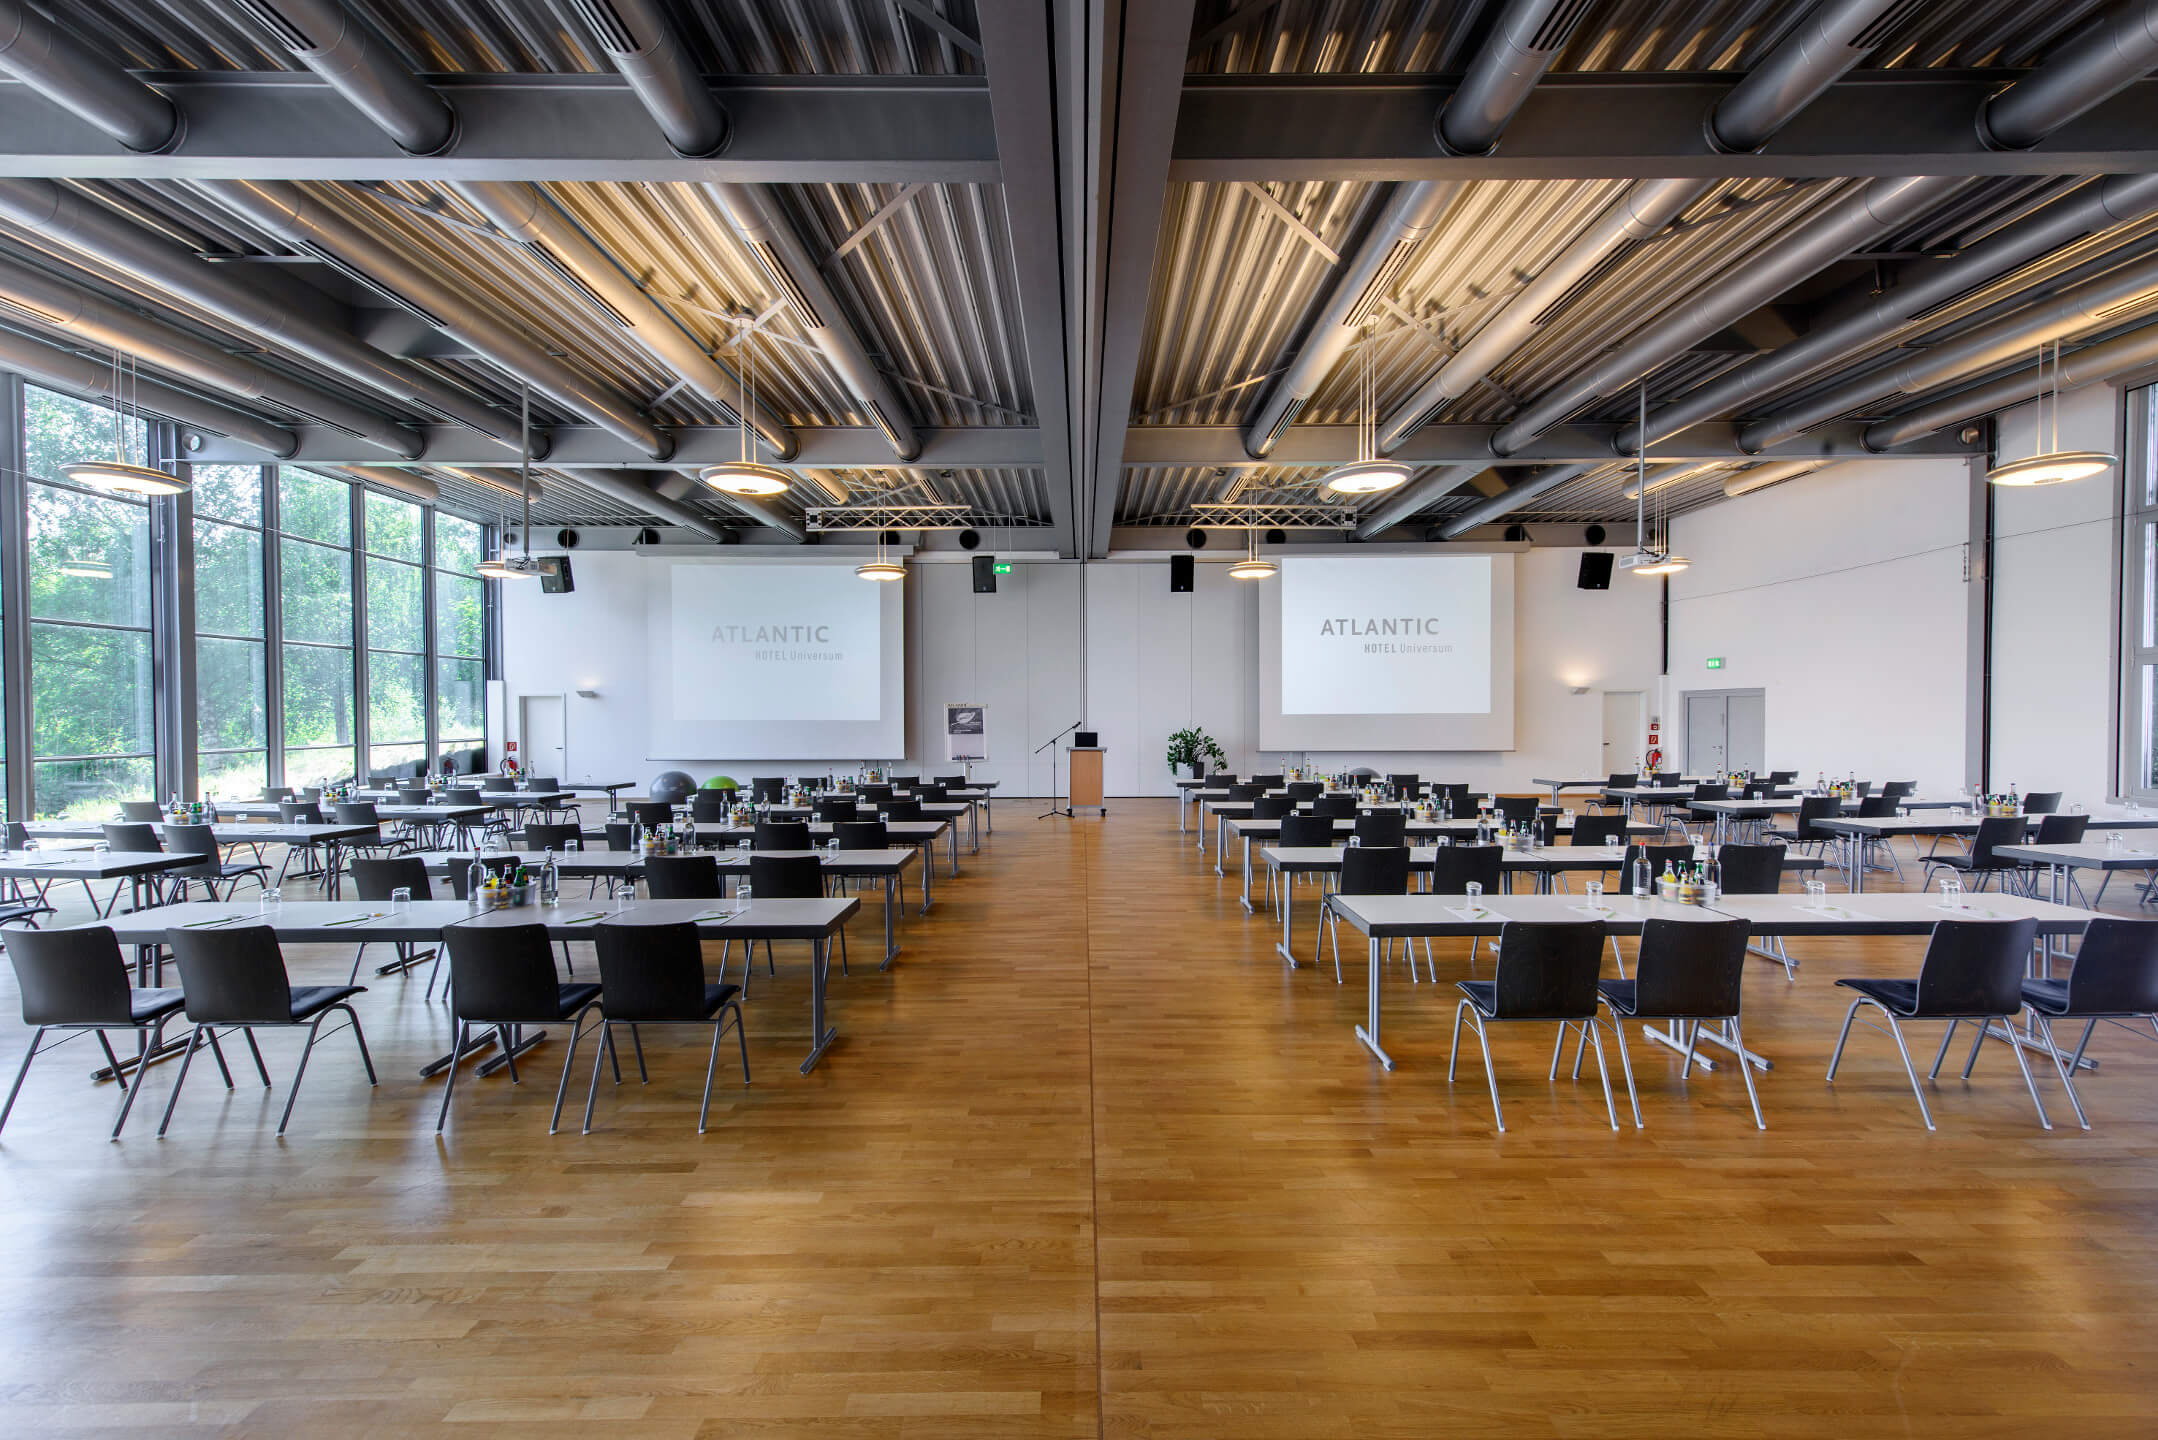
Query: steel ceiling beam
(579, 447)
(1605, 125)
(293, 125)
(1142, 58)
(1018, 55)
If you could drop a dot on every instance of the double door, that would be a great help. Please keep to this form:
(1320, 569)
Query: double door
(1725, 731)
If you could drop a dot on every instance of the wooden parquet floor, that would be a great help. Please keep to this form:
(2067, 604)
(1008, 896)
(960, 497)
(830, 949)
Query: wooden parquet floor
(1087, 1160)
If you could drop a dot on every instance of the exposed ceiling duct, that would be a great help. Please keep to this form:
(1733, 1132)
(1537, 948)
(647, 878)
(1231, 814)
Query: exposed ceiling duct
(2095, 63)
(1659, 476)
(1827, 42)
(826, 483)
(1414, 496)
(166, 268)
(1512, 498)
(2092, 363)
(1760, 477)
(63, 70)
(2109, 298)
(2111, 202)
(635, 488)
(399, 482)
(1840, 228)
(643, 44)
(55, 302)
(360, 65)
(524, 212)
(1523, 43)
(503, 482)
(65, 370)
(288, 212)
(794, 276)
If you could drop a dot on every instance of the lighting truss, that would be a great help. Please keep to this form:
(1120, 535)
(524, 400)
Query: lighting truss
(1285, 515)
(876, 516)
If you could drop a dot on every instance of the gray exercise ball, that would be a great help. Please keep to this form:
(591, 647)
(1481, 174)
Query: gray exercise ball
(672, 786)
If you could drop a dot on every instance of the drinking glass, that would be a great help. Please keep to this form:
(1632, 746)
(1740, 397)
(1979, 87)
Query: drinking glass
(1474, 889)
(1951, 892)
(1816, 894)
(273, 901)
(831, 845)
(741, 897)
(2114, 840)
(1356, 840)
(401, 900)
(625, 895)
(1595, 889)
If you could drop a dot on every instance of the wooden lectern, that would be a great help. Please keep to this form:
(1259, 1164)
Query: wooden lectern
(1086, 778)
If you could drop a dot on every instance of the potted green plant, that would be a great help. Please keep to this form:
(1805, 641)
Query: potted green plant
(1194, 747)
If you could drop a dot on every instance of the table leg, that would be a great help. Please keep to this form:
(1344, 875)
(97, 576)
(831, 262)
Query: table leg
(1368, 1032)
(1199, 827)
(1719, 1036)
(820, 1034)
(1286, 879)
(954, 845)
(1247, 877)
(929, 865)
(1221, 838)
(891, 909)
(974, 828)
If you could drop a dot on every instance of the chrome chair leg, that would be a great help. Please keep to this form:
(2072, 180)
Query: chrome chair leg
(2045, 1031)
(1745, 1069)
(1618, 1028)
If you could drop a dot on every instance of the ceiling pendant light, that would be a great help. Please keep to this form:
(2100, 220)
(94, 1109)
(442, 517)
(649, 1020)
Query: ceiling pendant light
(119, 475)
(745, 476)
(1251, 567)
(505, 566)
(2051, 465)
(1367, 474)
(1644, 560)
(883, 567)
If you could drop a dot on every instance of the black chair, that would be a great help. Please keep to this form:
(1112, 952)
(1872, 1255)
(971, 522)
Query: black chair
(932, 794)
(1454, 799)
(788, 877)
(379, 878)
(654, 975)
(503, 976)
(1899, 789)
(1982, 863)
(2041, 802)
(1408, 785)
(142, 810)
(652, 814)
(1617, 782)
(1453, 869)
(1751, 869)
(1973, 970)
(363, 812)
(1805, 831)
(1238, 794)
(951, 782)
(832, 809)
(1782, 777)
(1547, 973)
(768, 789)
(277, 792)
(1658, 857)
(541, 838)
(1381, 827)
(681, 877)
(1599, 829)
(498, 784)
(709, 807)
(1303, 790)
(1368, 870)
(905, 782)
(2056, 829)
(1269, 782)
(1686, 972)
(1517, 809)
(130, 838)
(901, 809)
(1877, 807)
(77, 980)
(237, 978)
(1272, 807)
(214, 868)
(1301, 831)
(876, 794)
(1665, 779)
(1336, 807)
(1716, 791)
(621, 835)
(300, 812)
(2115, 978)
(862, 835)
(780, 835)
(413, 795)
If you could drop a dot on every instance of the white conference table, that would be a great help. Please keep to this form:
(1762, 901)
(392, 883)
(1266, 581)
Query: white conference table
(921, 834)
(331, 837)
(1460, 832)
(2060, 860)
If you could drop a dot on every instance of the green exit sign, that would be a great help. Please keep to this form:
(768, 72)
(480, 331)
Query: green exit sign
(1004, 568)
(1715, 662)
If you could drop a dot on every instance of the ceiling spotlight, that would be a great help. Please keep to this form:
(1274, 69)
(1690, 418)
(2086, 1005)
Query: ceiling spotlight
(881, 570)
(1367, 477)
(1367, 474)
(746, 478)
(118, 477)
(1251, 567)
(2054, 467)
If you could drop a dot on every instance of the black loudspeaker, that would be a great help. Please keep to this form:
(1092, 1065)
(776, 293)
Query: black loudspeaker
(1180, 573)
(1595, 570)
(985, 574)
(555, 578)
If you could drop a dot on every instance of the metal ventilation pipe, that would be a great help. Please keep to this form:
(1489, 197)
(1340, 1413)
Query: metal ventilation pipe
(1523, 43)
(1369, 274)
(2133, 286)
(67, 307)
(1414, 496)
(401, 482)
(65, 71)
(2099, 61)
(1512, 498)
(1833, 37)
(1659, 476)
(524, 212)
(1760, 477)
(643, 43)
(2114, 201)
(361, 66)
(65, 370)
(1824, 239)
(826, 483)
(1807, 61)
(634, 488)
(64, 218)
(793, 273)
(2102, 361)
(286, 211)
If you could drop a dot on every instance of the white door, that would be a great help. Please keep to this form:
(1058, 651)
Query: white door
(1706, 734)
(1622, 731)
(541, 741)
(1745, 730)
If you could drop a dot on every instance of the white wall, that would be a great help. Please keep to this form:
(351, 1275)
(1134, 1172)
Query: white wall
(1841, 595)
(2054, 578)
(1157, 662)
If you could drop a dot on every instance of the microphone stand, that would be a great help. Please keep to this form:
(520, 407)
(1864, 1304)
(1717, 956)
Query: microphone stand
(1054, 808)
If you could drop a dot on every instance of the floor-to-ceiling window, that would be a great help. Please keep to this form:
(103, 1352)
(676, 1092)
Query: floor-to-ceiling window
(314, 549)
(460, 644)
(396, 551)
(2139, 593)
(232, 709)
(92, 732)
